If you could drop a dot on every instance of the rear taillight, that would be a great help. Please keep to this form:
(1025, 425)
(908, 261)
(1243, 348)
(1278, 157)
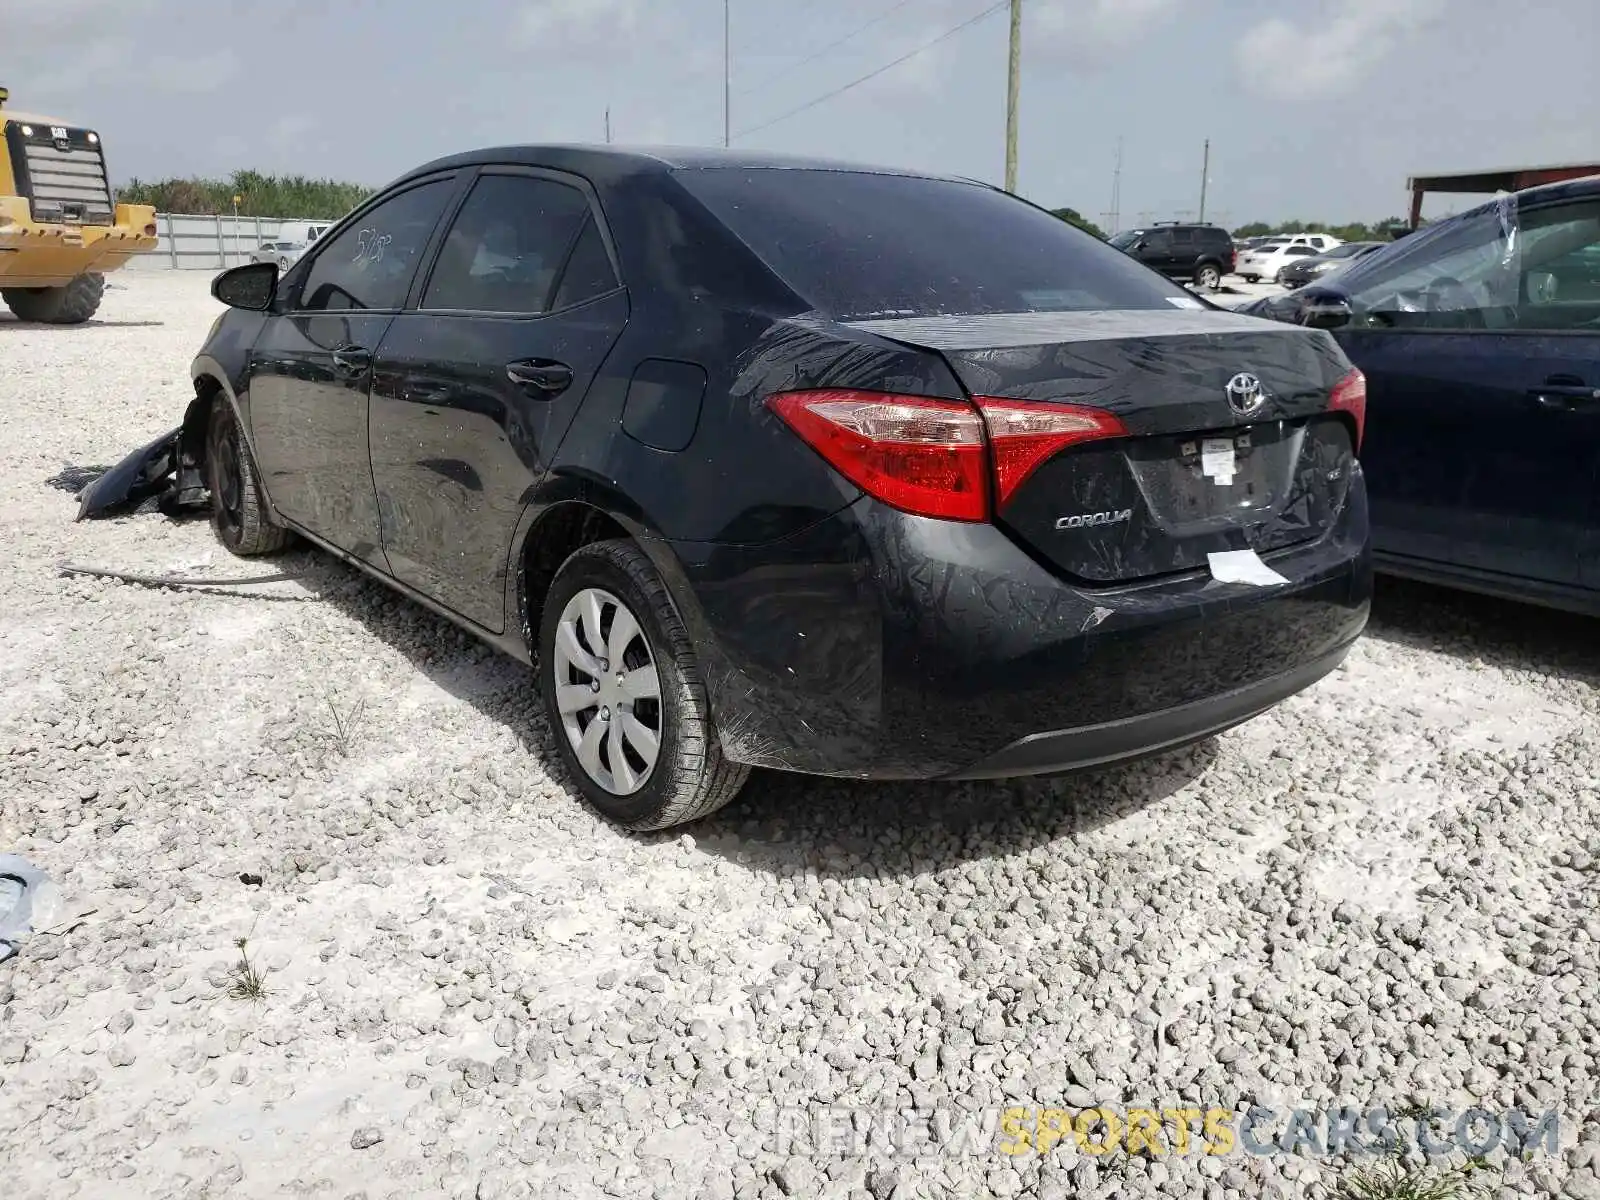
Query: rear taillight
(936, 458)
(1025, 434)
(1350, 396)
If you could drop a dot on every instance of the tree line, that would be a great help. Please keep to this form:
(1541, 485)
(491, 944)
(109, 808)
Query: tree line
(1355, 231)
(296, 197)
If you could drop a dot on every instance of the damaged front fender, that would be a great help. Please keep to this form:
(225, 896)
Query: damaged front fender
(167, 469)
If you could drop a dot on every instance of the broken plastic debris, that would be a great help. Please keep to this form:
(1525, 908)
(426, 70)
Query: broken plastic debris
(28, 902)
(1243, 566)
(31, 903)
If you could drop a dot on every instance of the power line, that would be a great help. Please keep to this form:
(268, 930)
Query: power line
(833, 45)
(888, 66)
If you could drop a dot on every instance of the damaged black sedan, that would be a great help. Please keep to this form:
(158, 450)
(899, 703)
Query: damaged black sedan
(790, 464)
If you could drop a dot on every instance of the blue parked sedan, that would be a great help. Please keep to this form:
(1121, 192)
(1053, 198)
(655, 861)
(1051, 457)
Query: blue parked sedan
(1480, 340)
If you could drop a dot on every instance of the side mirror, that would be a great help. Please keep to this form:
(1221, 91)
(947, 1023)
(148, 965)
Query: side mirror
(1141, 244)
(1334, 314)
(1539, 287)
(251, 286)
(1325, 309)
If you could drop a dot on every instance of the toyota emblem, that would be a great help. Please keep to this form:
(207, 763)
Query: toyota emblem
(1245, 393)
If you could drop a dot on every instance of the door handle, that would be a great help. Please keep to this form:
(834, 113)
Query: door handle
(542, 374)
(1563, 392)
(352, 360)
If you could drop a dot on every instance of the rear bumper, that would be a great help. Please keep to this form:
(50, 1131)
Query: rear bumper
(879, 645)
(1133, 737)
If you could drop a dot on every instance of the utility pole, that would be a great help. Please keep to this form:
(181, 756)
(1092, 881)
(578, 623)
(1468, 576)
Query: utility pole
(1013, 87)
(727, 75)
(608, 124)
(1205, 173)
(1116, 190)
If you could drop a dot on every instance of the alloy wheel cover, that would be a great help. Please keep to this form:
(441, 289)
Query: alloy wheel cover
(607, 691)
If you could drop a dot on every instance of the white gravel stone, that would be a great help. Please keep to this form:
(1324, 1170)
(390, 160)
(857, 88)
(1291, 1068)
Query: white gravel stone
(1382, 889)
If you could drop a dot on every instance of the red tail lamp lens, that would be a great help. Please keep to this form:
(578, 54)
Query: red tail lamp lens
(1026, 433)
(1350, 396)
(932, 457)
(923, 456)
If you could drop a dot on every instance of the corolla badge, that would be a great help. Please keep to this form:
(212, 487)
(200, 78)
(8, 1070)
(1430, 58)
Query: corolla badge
(1245, 393)
(1092, 520)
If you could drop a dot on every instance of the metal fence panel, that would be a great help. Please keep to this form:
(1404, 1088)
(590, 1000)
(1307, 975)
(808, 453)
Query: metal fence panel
(198, 243)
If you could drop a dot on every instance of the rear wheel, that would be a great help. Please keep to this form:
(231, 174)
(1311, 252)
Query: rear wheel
(623, 693)
(238, 509)
(1209, 276)
(72, 304)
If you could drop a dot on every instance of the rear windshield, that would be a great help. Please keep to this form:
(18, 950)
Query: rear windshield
(856, 245)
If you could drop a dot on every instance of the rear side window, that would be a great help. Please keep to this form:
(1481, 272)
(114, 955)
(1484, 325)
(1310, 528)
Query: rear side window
(857, 245)
(507, 245)
(588, 272)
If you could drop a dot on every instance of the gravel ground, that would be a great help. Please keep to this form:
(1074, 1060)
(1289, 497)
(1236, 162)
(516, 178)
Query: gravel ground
(1383, 890)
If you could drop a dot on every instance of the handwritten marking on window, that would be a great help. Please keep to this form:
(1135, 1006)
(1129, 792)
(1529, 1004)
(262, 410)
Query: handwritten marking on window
(369, 247)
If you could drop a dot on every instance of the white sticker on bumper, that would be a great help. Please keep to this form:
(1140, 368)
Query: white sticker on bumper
(1243, 566)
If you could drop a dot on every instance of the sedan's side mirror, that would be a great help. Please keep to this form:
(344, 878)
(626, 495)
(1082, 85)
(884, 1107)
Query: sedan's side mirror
(251, 286)
(1326, 312)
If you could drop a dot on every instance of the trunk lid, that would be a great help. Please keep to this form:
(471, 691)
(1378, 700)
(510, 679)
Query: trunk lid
(1200, 470)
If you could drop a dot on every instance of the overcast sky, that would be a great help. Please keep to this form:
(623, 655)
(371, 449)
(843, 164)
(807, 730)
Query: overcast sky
(1315, 108)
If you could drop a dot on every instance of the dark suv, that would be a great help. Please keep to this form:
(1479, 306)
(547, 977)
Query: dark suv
(1203, 253)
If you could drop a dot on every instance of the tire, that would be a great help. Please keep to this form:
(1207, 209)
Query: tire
(238, 510)
(71, 304)
(283, 262)
(1251, 278)
(1208, 276)
(688, 777)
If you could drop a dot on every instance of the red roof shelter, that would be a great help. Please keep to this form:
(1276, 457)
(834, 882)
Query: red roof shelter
(1512, 179)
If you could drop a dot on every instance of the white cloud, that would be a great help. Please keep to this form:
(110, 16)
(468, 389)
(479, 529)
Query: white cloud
(1089, 33)
(563, 20)
(72, 18)
(1332, 55)
(289, 131)
(194, 73)
(920, 75)
(73, 47)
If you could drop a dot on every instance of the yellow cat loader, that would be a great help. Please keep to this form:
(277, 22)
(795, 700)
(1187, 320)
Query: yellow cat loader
(60, 228)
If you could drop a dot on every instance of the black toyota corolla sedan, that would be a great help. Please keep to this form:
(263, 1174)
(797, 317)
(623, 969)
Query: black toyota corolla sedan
(793, 464)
